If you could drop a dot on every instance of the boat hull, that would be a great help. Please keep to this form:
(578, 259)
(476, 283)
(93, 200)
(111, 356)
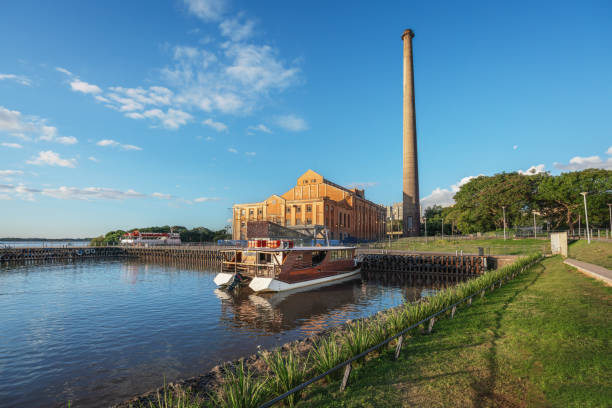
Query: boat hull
(223, 278)
(274, 285)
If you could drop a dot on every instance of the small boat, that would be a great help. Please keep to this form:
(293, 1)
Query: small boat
(276, 266)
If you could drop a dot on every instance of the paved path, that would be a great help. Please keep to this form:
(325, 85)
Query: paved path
(595, 271)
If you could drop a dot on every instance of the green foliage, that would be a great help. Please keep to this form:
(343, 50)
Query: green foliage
(287, 370)
(240, 389)
(198, 234)
(326, 354)
(556, 199)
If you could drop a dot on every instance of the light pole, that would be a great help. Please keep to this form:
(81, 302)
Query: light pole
(425, 219)
(504, 210)
(535, 234)
(610, 208)
(586, 217)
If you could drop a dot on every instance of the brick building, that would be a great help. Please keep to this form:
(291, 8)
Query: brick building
(316, 201)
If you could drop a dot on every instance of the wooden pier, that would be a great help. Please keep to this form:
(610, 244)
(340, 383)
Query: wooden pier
(423, 268)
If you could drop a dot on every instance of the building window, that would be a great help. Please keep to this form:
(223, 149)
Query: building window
(409, 223)
(314, 181)
(349, 221)
(259, 211)
(251, 211)
(288, 209)
(326, 207)
(242, 212)
(298, 209)
(305, 181)
(308, 208)
(308, 221)
(345, 219)
(273, 202)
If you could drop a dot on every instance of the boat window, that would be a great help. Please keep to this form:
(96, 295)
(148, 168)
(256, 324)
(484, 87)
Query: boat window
(318, 257)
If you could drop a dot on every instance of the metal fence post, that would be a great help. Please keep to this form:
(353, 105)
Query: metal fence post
(453, 312)
(347, 372)
(398, 348)
(431, 323)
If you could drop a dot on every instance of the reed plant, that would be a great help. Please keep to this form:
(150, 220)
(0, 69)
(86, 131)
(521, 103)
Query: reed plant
(357, 337)
(240, 389)
(379, 331)
(287, 371)
(327, 353)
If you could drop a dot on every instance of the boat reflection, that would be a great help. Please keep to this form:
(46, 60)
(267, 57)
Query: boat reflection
(311, 310)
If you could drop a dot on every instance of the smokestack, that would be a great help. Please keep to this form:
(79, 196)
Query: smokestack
(411, 207)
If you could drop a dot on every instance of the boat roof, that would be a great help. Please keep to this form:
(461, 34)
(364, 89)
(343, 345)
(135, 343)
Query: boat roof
(308, 248)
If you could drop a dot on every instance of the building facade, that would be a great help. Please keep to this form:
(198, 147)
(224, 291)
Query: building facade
(395, 211)
(315, 201)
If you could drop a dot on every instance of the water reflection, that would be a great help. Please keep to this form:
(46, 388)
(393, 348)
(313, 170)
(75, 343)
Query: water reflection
(97, 333)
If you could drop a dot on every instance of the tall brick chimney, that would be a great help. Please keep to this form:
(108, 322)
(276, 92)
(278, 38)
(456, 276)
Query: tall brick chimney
(412, 219)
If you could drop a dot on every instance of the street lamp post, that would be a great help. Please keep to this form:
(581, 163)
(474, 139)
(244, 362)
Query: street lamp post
(504, 210)
(586, 217)
(610, 208)
(535, 234)
(425, 219)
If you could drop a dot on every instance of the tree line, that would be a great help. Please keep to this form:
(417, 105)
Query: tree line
(556, 201)
(198, 234)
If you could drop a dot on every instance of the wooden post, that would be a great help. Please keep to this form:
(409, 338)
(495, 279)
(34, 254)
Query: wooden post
(398, 348)
(347, 372)
(431, 324)
(469, 301)
(482, 294)
(454, 309)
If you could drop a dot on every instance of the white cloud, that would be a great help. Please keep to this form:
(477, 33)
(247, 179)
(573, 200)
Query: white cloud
(93, 159)
(533, 170)
(206, 199)
(20, 79)
(218, 126)
(252, 154)
(63, 71)
(235, 29)
(4, 173)
(582, 163)
(12, 145)
(114, 143)
(161, 196)
(443, 196)
(609, 151)
(172, 119)
(51, 158)
(210, 139)
(91, 193)
(232, 150)
(207, 10)
(17, 125)
(515, 147)
(363, 184)
(5, 197)
(260, 128)
(80, 86)
(292, 123)
(19, 191)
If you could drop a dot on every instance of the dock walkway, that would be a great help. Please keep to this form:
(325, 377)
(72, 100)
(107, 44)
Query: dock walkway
(594, 271)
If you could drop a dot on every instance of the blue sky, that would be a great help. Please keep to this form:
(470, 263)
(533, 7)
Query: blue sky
(123, 114)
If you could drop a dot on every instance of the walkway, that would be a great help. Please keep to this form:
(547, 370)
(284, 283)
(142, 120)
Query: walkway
(594, 271)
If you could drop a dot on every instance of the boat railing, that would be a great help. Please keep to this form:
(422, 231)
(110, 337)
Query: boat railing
(252, 269)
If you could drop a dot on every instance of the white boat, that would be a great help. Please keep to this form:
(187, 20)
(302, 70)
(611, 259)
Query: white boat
(276, 266)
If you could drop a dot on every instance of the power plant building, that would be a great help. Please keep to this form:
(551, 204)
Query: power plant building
(316, 201)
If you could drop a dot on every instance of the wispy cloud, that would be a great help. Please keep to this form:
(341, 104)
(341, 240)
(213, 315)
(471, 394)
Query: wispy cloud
(292, 123)
(232, 150)
(260, 128)
(63, 71)
(90, 193)
(93, 159)
(20, 79)
(514, 147)
(252, 154)
(11, 145)
(237, 28)
(114, 143)
(5, 173)
(206, 199)
(162, 196)
(81, 86)
(51, 158)
(590, 162)
(218, 126)
(25, 127)
(207, 10)
(210, 139)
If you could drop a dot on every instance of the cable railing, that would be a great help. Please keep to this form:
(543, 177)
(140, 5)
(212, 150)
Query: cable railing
(347, 364)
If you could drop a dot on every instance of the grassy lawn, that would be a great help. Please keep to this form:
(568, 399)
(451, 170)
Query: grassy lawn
(495, 246)
(543, 339)
(597, 252)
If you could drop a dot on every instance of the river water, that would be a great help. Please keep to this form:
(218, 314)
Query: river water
(101, 332)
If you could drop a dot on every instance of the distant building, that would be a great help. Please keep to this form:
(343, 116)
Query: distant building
(395, 211)
(315, 201)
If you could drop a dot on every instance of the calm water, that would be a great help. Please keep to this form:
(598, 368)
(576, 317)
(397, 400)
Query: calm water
(47, 244)
(99, 333)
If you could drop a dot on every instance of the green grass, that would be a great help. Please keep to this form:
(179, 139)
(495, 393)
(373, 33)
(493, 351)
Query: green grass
(494, 246)
(542, 339)
(597, 252)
